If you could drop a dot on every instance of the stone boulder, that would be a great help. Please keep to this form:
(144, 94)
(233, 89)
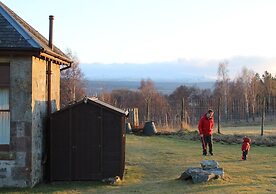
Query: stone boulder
(209, 170)
(209, 164)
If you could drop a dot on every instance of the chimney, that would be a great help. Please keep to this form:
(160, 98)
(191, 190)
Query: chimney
(51, 19)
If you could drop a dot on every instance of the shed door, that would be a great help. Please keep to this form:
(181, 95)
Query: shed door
(86, 142)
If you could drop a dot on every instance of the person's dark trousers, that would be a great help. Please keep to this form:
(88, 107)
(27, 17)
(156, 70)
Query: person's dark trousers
(244, 154)
(207, 141)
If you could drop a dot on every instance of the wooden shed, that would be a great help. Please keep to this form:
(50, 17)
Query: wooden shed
(87, 141)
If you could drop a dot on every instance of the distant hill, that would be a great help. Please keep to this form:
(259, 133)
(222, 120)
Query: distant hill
(96, 87)
(162, 72)
(179, 71)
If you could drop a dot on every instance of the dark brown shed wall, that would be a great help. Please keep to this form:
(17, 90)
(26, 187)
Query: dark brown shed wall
(60, 144)
(113, 144)
(92, 138)
(86, 142)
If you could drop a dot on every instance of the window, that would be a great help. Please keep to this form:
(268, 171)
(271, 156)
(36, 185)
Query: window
(4, 104)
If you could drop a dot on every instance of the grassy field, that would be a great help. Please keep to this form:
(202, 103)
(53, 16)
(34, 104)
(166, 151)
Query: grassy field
(252, 130)
(243, 129)
(154, 163)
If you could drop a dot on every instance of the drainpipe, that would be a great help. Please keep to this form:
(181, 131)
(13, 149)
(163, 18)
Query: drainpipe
(49, 71)
(46, 160)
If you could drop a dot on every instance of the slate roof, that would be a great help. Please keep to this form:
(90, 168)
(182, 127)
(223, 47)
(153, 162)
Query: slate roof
(9, 37)
(16, 35)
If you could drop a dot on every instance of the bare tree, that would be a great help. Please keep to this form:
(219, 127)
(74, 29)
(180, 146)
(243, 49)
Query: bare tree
(269, 88)
(72, 81)
(245, 80)
(124, 98)
(159, 109)
(255, 89)
(147, 89)
(223, 85)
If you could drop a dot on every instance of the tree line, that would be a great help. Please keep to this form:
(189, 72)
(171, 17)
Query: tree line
(243, 99)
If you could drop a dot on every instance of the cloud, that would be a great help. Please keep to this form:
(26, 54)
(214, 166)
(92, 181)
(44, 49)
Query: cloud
(188, 70)
(257, 64)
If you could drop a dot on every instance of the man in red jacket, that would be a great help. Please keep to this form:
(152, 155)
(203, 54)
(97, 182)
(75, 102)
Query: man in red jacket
(205, 128)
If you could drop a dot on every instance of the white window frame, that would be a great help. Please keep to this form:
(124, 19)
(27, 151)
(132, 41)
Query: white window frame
(4, 105)
(4, 116)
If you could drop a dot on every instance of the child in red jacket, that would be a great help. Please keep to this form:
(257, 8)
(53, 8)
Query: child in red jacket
(245, 147)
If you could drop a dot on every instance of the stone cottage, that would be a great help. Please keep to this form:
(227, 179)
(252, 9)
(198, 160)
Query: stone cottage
(30, 68)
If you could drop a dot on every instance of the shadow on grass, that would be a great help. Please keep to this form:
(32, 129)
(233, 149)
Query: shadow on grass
(62, 186)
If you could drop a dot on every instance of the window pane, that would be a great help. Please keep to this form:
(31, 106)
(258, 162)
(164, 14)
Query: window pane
(4, 74)
(4, 99)
(4, 127)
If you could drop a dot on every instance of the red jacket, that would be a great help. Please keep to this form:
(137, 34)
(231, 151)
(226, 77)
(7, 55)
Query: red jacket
(246, 144)
(205, 125)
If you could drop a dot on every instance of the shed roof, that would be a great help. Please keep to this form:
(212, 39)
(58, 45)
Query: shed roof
(16, 35)
(95, 101)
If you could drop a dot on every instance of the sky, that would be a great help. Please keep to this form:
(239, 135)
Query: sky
(159, 31)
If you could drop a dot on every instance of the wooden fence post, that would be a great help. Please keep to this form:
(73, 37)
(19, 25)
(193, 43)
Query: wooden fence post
(263, 117)
(182, 117)
(218, 116)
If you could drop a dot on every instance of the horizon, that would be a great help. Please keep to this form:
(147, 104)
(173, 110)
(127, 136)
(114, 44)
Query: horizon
(95, 87)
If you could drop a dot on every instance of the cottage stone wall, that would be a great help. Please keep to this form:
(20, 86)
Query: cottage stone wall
(16, 165)
(55, 91)
(39, 109)
(21, 166)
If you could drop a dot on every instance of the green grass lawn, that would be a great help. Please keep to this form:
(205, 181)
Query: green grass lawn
(154, 163)
(244, 129)
(250, 130)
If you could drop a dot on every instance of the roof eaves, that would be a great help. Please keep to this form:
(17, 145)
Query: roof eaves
(21, 49)
(18, 27)
(94, 101)
(58, 56)
(97, 101)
